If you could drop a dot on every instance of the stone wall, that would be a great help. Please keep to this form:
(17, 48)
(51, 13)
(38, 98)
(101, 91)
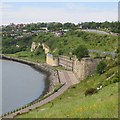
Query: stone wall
(85, 67)
(81, 69)
(50, 60)
(65, 62)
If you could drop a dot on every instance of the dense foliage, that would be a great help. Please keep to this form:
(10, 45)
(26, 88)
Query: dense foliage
(52, 26)
(90, 91)
(17, 39)
(9, 44)
(81, 52)
(108, 26)
(101, 67)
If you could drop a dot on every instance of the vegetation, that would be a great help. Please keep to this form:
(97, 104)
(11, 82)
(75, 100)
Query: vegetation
(52, 26)
(101, 67)
(79, 101)
(106, 26)
(9, 44)
(81, 52)
(27, 55)
(63, 45)
(75, 104)
(90, 91)
(72, 39)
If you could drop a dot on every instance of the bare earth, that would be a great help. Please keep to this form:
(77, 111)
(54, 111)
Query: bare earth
(66, 77)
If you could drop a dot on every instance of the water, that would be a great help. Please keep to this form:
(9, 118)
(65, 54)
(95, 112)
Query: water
(20, 83)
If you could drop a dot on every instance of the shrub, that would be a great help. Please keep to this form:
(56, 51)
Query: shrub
(101, 67)
(81, 52)
(106, 83)
(90, 91)
(114, 80)
(60, 52)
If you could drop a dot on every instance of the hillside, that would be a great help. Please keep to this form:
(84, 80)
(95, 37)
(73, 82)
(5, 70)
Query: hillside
(72, 39)
(74, 104)
(60, 45)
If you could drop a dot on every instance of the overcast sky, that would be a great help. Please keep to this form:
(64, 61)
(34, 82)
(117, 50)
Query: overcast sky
(28, 12)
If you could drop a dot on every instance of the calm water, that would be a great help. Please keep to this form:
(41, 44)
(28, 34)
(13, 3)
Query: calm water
(20, 85)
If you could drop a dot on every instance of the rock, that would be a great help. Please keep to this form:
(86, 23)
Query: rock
(33, 46)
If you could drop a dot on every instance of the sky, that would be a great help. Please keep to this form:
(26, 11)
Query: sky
(76, 12)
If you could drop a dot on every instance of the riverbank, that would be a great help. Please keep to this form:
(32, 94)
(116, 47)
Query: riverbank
(66, 78)
(51, 80)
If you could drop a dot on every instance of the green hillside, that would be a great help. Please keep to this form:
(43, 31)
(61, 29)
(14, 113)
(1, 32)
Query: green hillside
(64, 44)
(72, 39)
(74, 104)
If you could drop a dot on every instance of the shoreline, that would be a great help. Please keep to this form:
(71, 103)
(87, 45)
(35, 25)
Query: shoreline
(50, 72)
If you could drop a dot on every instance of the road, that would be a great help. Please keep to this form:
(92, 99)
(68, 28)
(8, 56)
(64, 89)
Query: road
(99, 32)
(66, 77)
(104, 53)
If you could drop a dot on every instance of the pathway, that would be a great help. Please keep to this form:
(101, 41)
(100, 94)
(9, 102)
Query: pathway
(66, 77)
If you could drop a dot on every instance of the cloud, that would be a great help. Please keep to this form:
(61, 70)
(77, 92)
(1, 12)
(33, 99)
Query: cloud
(69, 13)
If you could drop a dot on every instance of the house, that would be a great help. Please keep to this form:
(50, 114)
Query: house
(58, 33)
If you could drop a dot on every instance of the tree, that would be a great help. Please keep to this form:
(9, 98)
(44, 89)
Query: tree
(101, 67)
(81, 52)
(39, 51)
(69, 25)
(53, 26)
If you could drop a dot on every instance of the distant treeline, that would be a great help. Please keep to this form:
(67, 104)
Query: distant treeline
(107, 26)
(54, 26)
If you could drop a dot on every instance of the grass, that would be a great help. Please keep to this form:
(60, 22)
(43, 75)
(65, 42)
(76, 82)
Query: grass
(59, 67)
(74, 104)
(92, 41)
(63, 45)
(28, 56)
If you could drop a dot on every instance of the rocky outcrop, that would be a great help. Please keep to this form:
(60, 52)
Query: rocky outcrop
(34, 46)
(45, 48)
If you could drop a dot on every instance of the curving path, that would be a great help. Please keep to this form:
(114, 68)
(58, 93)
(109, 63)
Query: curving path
(66, 77)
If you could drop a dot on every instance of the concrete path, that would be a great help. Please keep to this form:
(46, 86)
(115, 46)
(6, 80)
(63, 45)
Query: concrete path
(66, 77)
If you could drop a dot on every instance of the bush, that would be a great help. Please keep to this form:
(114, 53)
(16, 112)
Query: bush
(114, 80)
(90, 91)
(81, 52)
(101, 67)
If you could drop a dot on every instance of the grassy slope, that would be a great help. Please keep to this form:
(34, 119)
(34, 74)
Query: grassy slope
(66, 43)
(70, 41)
(74, 104)
(27, 56)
